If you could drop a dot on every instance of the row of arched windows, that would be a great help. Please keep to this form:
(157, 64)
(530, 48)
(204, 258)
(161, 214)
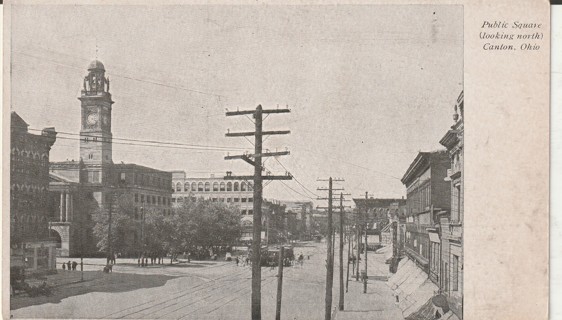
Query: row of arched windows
(215, 186)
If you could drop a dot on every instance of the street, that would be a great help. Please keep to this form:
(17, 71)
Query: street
(197, 290)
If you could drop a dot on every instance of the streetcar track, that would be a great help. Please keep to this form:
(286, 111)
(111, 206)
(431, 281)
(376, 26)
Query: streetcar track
(174, 293)
(211, 290)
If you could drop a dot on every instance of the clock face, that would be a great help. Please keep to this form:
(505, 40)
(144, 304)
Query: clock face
(92, 118)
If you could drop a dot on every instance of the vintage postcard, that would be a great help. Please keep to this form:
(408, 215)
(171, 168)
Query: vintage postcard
(276, 160)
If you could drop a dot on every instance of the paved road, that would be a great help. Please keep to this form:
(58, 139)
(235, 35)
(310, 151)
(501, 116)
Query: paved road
(218, 290)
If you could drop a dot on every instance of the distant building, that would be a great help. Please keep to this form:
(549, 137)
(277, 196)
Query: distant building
(427, 194)
(30, 244)
(380, 213)
(238, 193)
(300, 218)
(452, 223)
(95, 181)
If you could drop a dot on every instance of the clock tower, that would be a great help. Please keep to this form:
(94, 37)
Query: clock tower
(95, 131)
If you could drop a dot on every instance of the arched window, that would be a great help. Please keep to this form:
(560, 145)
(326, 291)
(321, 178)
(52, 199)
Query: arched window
(243, 186)
(193, 186)
(250, 188)
(216, 186)
(235, 186)
(186, 186)
(178, 187)
(200, 186)
(222, 186)
(229, 186)
(207, 186)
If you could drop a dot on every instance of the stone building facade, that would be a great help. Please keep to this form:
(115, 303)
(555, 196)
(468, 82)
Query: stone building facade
(30, 244)
(95, 181)
(451, 228)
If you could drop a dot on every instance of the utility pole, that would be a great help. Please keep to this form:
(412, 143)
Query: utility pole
(330, 250)
(330, 261)
(348, 254)
(341, 304)
(366, 243)
(109, 240)
(142, 234)
(279, 285)
(258, 190)
(358, 238)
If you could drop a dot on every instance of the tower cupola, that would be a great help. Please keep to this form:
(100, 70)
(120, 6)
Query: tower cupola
(95, 83)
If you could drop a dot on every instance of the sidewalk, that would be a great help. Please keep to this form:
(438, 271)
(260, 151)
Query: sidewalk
(379, 301)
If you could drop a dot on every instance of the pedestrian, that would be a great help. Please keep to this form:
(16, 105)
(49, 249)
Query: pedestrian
(63, 266)
(189, 256)
(74, 264)
(237, 261)
(138, 262)
(68, 265)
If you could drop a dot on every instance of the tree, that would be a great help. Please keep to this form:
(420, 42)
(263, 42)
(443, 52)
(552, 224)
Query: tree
(206, 224)
(122, 225)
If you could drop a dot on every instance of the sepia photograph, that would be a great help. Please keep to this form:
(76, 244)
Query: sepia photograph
(212, 161)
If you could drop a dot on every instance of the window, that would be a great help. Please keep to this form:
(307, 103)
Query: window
(142, 198)
(207, 186)
(153, 199)
(243, 186)
(122, 177)
(250, 188)
(222, 186)
(136, 213)
(457, 214)
(235, 186)
(193, 186)
(200, 186)
(186, 187)
(93, 176)
(455, 275)
(244, 211)
(173, 200)
(216, 186)
(250, 211)
(214, 200)
(159, 199)
(243, 199)
(228, 200)
(236, 199)
(221, 199)
(229, 186)
(250, 199)
(178, 187)
(147, 199)
(136, 197)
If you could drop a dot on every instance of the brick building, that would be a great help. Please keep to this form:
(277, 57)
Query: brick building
(30, 244)
(427, 194)
(452, 224)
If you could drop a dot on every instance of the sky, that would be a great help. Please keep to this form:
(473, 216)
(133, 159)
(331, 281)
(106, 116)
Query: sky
(368, 86)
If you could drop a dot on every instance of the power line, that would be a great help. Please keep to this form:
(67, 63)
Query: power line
(296, 180)
(295, 191)
(151, 145)
(131, 141)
